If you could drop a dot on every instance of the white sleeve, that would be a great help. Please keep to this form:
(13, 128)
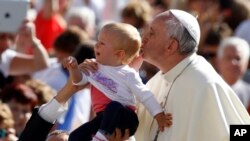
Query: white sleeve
(144, 95)
(5, 60)
(83, 81)
(52, 110)
(153, 106)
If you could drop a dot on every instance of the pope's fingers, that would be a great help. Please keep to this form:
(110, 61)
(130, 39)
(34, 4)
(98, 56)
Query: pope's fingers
(64, 62)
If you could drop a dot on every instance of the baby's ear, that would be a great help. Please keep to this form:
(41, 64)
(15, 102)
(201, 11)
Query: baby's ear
(120, 54)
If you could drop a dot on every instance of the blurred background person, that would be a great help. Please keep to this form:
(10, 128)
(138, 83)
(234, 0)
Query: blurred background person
(42, 90)
(233, 56)
(231, 13)
(50, 23)
(159, 6)
(64, 6)
(21, 100)
(84, 18)
(64, 45)
(7, 131)
(137, 13)
(214, 36)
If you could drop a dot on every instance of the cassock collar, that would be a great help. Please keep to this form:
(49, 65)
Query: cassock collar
(175, 71)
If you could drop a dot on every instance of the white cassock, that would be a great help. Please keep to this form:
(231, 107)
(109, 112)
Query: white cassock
(203, 106)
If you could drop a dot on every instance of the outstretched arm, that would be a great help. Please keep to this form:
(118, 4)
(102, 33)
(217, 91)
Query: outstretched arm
(42, 119)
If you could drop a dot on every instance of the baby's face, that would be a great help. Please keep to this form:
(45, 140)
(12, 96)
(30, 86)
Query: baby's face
(105, 51)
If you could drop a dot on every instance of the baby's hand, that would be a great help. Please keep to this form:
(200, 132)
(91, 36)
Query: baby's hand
(163, 120)
(168, 120)
(70, 63)
(89, 65)
(136, 62)
(74, 73)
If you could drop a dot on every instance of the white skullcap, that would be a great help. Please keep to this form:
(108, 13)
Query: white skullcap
(189, 22)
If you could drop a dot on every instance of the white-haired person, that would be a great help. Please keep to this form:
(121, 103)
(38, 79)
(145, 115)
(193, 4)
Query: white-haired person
(233, 56)
(84, 18)
(202, 104)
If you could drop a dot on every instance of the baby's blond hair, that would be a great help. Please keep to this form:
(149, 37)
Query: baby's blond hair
(126, 37)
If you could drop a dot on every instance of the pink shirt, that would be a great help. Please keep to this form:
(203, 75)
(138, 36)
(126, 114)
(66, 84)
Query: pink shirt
(99, 100)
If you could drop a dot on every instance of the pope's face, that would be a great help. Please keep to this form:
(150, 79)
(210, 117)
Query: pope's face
(154, 40)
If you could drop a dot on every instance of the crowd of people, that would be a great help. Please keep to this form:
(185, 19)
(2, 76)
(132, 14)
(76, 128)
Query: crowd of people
(109, 70)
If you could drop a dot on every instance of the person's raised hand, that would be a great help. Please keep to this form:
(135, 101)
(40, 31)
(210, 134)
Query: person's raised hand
(26, 34)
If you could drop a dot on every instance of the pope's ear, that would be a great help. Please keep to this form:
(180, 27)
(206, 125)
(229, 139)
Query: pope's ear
(173, 45)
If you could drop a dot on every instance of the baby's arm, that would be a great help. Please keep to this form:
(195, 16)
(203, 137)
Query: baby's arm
(146, 97)
(71, 64)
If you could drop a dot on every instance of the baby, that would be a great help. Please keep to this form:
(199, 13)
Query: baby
(116, 86)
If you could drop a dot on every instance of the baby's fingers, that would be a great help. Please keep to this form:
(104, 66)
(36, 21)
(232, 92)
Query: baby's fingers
(91, 66)
(161, 128)
(65, 62)
(169, 119)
